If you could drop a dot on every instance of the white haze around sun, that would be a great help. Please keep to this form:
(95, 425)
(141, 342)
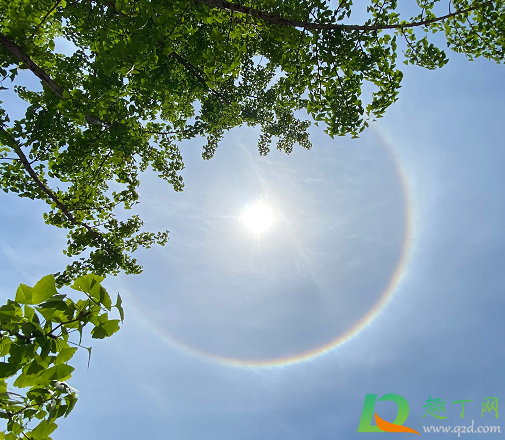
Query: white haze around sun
(258, 218)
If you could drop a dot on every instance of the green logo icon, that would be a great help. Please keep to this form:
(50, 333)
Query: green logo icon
(365, 423)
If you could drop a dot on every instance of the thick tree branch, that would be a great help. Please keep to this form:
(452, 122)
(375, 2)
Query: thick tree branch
(15, 50)
(282, 21)
(12, 143)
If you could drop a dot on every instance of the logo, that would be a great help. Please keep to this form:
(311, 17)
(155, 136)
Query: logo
(365, 423)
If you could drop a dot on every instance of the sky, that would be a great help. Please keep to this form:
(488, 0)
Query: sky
(232, 335)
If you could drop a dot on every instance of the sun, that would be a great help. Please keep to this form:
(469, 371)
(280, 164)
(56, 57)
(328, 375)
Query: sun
(258, 218)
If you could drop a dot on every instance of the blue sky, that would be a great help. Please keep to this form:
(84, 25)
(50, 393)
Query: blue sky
(335, 243)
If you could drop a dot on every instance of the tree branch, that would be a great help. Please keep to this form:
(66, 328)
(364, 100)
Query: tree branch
(15, 50)
(79, 318)
(27, 166)
(30, 406)
(194, 71)
(45, 18)
(281, 21)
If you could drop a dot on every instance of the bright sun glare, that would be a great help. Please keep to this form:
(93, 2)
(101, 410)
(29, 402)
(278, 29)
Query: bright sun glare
(258, 218)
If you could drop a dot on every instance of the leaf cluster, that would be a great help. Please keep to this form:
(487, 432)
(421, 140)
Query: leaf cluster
(146, 76)
(35, 331)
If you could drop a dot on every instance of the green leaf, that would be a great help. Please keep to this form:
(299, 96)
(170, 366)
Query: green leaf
(104, 330)
(65, 355)
(98, 332)
(71, 401)
(215, 34)
(103, 318)
(56, 309)
(7, 369)
(89, 284)
(36, 367)
(24, 294)
(44, 289)
(5, 345)
(58, 372)
(105, 298)
(119, 306)
(43, 430)
(25, 380)
(89, 355)
(31, 315)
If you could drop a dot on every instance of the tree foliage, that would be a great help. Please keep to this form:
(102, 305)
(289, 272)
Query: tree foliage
(35, 344)
(146, 75)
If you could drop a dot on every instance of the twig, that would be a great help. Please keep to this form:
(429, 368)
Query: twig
(275, 19)
(44, 19)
